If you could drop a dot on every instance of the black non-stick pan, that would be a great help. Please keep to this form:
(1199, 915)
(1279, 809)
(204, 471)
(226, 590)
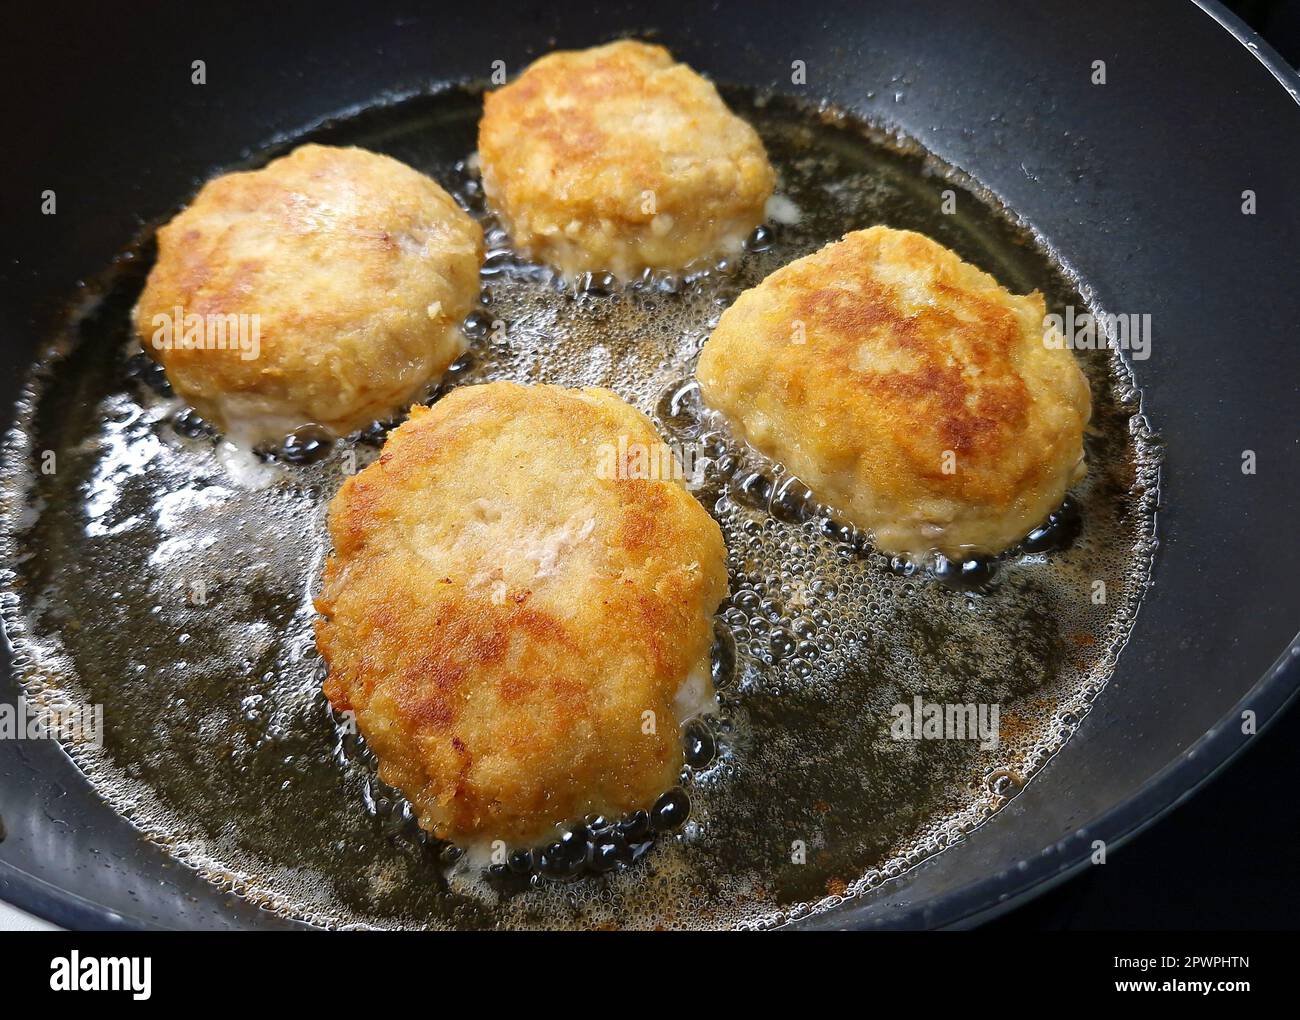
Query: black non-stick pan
(1136, 184)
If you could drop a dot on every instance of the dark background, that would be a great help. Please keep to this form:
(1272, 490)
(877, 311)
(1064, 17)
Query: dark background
(1225, 859)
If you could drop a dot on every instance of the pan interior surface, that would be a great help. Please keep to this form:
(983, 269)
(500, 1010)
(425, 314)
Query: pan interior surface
(160, 575)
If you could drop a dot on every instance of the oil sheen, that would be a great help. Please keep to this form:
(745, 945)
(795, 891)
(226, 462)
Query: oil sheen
(168, 577)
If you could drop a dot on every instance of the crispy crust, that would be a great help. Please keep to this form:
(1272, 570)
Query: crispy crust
(908, 361)
(359, 268)
(500, 617)
(571, 149)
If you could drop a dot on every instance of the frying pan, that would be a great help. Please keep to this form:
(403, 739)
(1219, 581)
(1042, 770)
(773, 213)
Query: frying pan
(1136, 183)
